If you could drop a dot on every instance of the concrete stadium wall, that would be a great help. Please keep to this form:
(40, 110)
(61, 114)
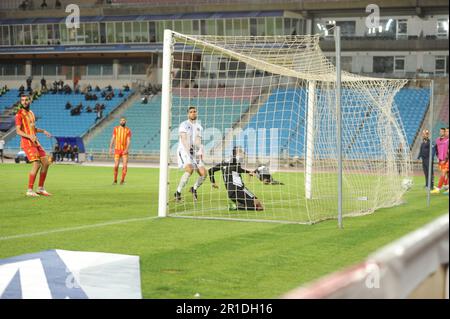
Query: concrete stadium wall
(414, 266)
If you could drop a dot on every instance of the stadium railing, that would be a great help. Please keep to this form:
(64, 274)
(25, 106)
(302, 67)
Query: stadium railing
(414, 266)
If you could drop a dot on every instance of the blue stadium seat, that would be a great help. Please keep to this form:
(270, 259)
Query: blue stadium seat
(51, 115)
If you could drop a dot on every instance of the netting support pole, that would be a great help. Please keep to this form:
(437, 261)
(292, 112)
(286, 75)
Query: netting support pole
(310, 138)
(165, 127)
(337, 33)
(430, 159)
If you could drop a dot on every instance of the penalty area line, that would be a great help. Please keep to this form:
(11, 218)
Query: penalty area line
(83, 227)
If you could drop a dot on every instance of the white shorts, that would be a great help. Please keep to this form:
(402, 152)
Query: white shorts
(185, 159)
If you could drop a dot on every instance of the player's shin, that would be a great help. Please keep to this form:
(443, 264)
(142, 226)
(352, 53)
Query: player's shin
(31, 179)
(42, 178)
(124, 173)
(199, 182)
(183, 181)
(116, 172)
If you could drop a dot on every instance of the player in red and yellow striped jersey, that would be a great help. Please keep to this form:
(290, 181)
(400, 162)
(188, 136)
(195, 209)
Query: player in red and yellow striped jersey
(26, 128)
(122, 138)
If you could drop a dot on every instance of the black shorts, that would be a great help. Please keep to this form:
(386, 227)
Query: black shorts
(243, 198)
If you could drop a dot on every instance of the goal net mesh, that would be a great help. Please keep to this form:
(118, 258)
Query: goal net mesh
(275, 98)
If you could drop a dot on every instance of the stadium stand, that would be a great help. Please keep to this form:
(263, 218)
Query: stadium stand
(411, 103)
(51, 114)
(8, 99)
(442, 118)
(144, 121)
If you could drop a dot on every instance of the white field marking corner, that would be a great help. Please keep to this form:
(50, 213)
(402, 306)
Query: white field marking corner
(67, 229)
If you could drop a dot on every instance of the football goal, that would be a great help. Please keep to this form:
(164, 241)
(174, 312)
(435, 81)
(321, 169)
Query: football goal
(249, 131)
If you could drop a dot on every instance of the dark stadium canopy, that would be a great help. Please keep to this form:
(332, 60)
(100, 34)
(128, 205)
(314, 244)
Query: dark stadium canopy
(191, 16)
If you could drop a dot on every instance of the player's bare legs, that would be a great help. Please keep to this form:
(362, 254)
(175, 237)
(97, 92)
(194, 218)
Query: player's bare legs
(116, 168)
(124, 168)
(35, 166)
(44, 164)
(202, 176)
(188, 170)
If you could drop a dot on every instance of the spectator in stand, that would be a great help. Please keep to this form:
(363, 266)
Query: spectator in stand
(43, 84)
(21, 90)
(120, 93)
(103, 94)
(145, 99)
(24, 5)
(29, 81)
(43, 4)
(64, 151)
(109, 88)
(56, 153)
(75, 153)
(54, 87)
(61, 86)
(35, 95)
(97, 88)
(67, 89)
(77, 110)
(69, 152)
(68, 106)
(88, 109)
(57, 4)
(99, 115)
(126, 88)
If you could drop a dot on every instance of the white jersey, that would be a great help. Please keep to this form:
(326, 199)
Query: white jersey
(193, 131)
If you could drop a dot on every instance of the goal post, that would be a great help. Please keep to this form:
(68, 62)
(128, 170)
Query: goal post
(165, 126)
(272, 99)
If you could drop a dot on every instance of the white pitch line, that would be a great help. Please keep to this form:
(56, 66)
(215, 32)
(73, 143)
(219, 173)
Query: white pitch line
(61, 230)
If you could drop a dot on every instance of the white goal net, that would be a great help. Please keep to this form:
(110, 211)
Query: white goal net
(266, 132)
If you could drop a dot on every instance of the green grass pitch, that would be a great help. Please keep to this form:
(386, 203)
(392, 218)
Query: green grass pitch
(182, 257)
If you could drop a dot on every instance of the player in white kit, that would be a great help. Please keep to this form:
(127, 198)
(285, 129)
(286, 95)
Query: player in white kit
(190, 153)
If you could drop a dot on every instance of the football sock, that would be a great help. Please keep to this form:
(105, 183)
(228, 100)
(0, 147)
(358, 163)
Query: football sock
(42, 179)
(199, 182)
(116, 171)
(441, 181)
(31, 179)
(183, 181)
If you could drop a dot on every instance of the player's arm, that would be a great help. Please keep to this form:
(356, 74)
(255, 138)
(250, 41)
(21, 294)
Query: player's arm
(128, 144)
(184, 142)
(211, 172)
(39, 130)
(244, 171)
(113, 138)
(21, 133)
(199, 146)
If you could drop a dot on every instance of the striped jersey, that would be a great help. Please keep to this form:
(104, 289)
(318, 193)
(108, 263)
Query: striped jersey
(26, 120)
(121, 134)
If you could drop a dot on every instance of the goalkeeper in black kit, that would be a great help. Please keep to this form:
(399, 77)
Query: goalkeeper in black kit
(237, 192)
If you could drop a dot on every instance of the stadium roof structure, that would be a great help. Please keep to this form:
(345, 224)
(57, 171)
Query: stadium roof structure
(154, 17)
